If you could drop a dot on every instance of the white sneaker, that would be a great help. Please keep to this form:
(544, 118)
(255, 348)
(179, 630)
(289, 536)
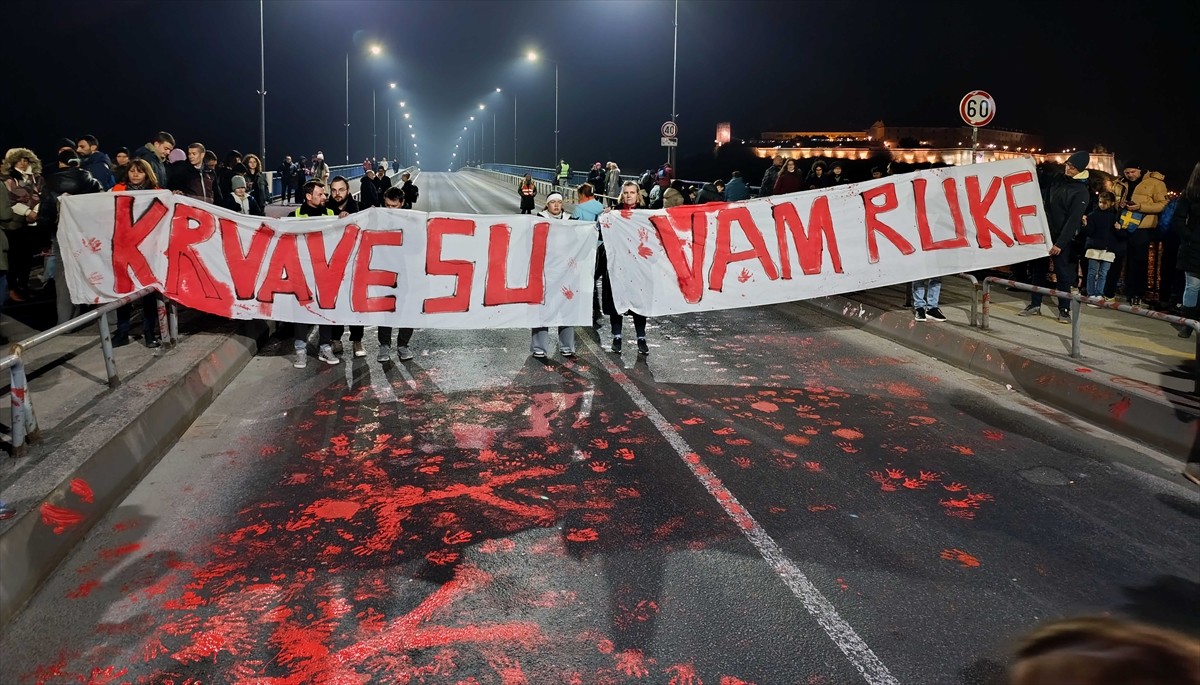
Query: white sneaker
(385, 354)
(301, 360)
(404, 354)
(358, 349)
(326, 355)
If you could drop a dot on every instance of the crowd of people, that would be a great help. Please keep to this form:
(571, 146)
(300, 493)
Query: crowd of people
(30, 192)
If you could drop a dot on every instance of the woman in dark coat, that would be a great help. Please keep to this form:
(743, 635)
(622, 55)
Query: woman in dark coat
(788, 180)
(527, 190)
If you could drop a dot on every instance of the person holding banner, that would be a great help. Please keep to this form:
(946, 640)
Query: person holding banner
(1066, 202)
(393, 198)
(631, 198)
(343, 205)
(540, 339)
(139, 176)
(314, 206)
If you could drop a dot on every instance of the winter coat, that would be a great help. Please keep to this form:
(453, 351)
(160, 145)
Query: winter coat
(6, 216)
(253, 208)
(411, 193)
(24, 195)
(159, 166)
(673, 198)
(1100, 231)
(368, 193)
(527, 193)
(68, 181)
(1186, 223)
(1150, 196)
(788, 183)
(612, 182)
(767, 187)
(350, 206)
(257, 185)
(1066, 201)
(200, 184)
(737, 190)
(320, 171)
(596, 178)
(100, 167)
(709, 193)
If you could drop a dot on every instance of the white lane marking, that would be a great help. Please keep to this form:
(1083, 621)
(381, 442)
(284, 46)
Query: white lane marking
(464, 195)
(821, 609)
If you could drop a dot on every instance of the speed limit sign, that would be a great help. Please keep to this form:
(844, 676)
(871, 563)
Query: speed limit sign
(668, 129)
(977, 108)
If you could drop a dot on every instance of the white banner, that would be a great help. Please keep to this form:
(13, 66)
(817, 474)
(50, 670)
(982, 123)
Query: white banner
(823, 242)
(384, 267)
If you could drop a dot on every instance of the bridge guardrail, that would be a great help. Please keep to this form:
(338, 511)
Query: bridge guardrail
(1076, 309)
(24, 420)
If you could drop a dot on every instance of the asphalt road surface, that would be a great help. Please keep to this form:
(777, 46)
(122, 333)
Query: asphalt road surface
(768, 497)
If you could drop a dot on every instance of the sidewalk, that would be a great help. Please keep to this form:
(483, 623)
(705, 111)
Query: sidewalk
(97, 441)
(1135, 376)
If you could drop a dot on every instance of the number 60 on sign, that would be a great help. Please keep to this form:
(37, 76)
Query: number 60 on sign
(977, 108)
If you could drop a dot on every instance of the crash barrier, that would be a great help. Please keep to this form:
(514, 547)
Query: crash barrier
(24, 421)
(1077, 300)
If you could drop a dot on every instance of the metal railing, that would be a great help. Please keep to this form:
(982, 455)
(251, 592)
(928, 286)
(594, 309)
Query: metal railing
(974, 297)
(347, 171)
(24, 420)
(1076, 308)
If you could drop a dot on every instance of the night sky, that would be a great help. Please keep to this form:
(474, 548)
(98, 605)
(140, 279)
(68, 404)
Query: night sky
(1118, 74)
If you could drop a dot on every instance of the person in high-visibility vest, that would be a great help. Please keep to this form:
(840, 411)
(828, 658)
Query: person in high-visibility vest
(564, 172)
(314, 206)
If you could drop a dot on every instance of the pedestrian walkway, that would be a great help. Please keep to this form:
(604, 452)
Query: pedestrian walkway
(1135, 375)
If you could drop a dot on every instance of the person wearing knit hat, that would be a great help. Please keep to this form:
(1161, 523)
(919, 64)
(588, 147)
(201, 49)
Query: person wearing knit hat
(240, 200)
(1079, 160)
(1066, 203)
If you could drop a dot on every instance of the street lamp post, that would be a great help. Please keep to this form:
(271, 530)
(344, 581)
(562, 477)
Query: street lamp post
(262, 86)
(375, 50)
(671, 151)
(533, 57)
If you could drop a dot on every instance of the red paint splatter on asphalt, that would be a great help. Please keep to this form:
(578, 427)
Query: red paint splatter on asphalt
(84, 491)
(848, 434)
(59, 518)
(335, 510)
(84, 589)
(118, 552)
(765, 406)
(967, 560)
(1117, 410)
(904, 390)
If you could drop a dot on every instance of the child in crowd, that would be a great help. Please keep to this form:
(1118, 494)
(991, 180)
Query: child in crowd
(1100, 228)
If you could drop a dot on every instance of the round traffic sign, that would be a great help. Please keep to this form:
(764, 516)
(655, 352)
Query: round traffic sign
(669, 129)
(977, 108)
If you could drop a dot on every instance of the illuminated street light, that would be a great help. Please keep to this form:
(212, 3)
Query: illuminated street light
(392, 84)
(533, 57)
(375, 50)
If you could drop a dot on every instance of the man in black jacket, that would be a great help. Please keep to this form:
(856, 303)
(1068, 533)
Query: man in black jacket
(68, 180)
(1066, 203)
(287, 179)
(192, 177)
(410, 189)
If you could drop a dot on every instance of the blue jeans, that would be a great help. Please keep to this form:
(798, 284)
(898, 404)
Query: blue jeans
(1191, 288)
(926, 293)
(1097, 275)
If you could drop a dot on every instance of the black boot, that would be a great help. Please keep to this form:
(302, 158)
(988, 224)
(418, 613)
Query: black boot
(1187, 313)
